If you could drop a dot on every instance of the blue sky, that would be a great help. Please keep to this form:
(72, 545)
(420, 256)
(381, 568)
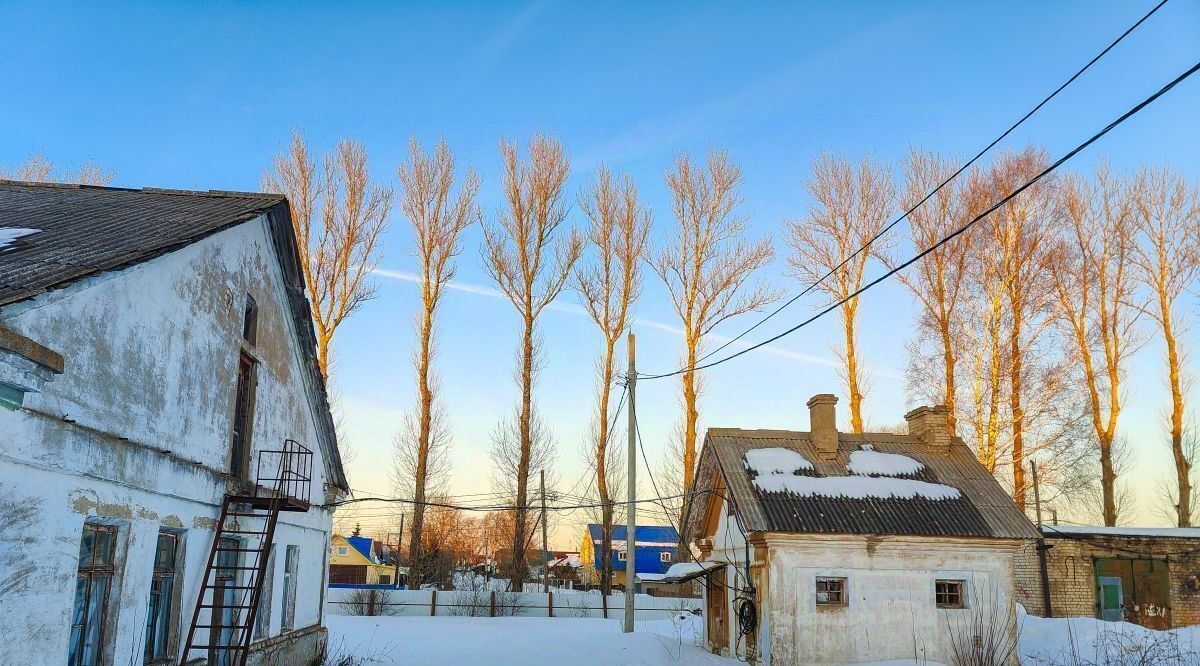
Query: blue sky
(201, 95)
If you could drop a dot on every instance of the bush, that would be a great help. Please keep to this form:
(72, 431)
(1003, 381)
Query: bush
(368, 602)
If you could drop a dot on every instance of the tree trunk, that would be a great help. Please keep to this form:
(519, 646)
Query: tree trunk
(948, 368)
(1183, 466)
(606, 508)
(691, 418)
(849, 315)
(1108, 481)
(526, 417)
(424, 434)
(1018, 412)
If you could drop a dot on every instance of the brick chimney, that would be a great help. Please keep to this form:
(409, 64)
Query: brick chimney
(822, 423)
(931, 425)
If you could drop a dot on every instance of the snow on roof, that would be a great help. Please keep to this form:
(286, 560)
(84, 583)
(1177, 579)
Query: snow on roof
(681, 571)
(855, 487)
(869, 462)
(1176, 532)
(10, 234)
(775, 460)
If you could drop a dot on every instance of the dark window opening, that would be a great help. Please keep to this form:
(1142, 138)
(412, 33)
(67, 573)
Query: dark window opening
(225, 601)
(243, 418)
(93, 582)
(250, 321)
(949, 593)
(161, 614)
(831, 591)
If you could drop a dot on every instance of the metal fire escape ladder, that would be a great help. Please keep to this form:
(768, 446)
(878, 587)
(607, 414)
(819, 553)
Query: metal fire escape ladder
(231, 588)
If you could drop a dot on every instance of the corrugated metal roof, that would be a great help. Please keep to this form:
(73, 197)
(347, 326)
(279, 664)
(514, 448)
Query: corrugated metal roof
(983, 509)
(84, 230)
(645, 533)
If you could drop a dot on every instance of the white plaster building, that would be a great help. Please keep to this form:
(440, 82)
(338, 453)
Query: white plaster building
(852, 548)
(153, 344)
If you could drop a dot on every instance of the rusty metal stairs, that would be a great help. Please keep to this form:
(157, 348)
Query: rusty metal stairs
(223, 618)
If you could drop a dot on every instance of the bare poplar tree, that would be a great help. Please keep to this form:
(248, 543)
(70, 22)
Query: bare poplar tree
(37, 168)
(1167, 212)
(513, 467)
(338, 216)
(530, 261)
(1022, 234)
(609, 283)
(1094, 280)
(851, 205)
(940, 281)
(705, 267)
(438, 215)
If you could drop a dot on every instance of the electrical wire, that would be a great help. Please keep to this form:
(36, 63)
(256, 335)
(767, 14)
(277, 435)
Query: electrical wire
(928, 196)
(493, 508)
(921, 255)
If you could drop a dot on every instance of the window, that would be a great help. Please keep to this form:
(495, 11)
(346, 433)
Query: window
(262, 618)
(290, 563)
(225, 601)
(160, 617)
(831, 591)
(93, 582)
(250, 321)
(243, 418)
(342, 550)
(664, 556)
(949, 593)
(621, 556)
(385, 579)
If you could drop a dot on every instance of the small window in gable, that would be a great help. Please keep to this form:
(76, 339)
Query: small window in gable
(250, 321)
(664, 556)
(831, 591)
(949, 593)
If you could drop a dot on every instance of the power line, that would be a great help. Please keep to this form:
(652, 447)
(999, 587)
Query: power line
(927, 197)
(1057, 163)
(529, 507)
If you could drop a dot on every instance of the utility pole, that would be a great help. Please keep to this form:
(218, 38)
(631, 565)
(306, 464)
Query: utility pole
(631, 507)
(545, 554)
(1041, 542)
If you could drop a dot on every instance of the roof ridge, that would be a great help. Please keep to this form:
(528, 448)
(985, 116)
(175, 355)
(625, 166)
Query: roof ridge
(149, 190)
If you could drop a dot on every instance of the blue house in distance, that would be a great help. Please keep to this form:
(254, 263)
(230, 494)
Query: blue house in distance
(657, 547)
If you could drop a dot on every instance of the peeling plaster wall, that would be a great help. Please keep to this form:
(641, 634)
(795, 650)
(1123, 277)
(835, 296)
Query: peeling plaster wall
(890, 612)
(136, 433)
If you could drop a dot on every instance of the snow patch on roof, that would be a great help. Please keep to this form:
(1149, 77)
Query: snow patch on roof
(869, 462)
(10, 234)
(1177, 532)
(855, 487)
(775, 460)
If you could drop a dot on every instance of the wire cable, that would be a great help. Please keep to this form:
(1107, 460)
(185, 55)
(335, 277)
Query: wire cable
(957, 232)
(928, 196)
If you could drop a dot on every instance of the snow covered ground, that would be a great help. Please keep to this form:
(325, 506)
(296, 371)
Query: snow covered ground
(501, 641)
(1082, 641)
(438, 641)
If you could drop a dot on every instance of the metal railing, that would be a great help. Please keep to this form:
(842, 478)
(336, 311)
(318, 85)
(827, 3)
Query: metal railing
(286, 472)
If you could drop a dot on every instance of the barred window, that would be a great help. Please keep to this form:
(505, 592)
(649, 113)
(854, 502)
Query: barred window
(949, 593)
(93, 582)
(831, 591)
(160, 618)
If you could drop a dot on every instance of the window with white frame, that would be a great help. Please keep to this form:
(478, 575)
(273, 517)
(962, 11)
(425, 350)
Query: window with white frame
(290, 565)
(831, 591)
(664, 556)
(621, 556)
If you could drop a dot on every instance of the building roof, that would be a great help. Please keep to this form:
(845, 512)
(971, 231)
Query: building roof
(362, 545)
(1137, 532)
(902, 487)
(70, 232)
(650, 536)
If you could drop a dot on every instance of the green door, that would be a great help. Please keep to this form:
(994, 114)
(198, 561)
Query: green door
(1111, 597)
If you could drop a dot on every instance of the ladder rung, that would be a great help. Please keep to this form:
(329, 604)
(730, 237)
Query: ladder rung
(238, 550)
(239, 514)
(225, 607)
(227, 568)
(216, 647)
(228, 587)
(260, 532)
(222, 626)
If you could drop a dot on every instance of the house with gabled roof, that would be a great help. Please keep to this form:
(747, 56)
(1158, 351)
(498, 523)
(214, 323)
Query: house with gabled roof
(825, 547)
(655, 548)
(167, 452)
